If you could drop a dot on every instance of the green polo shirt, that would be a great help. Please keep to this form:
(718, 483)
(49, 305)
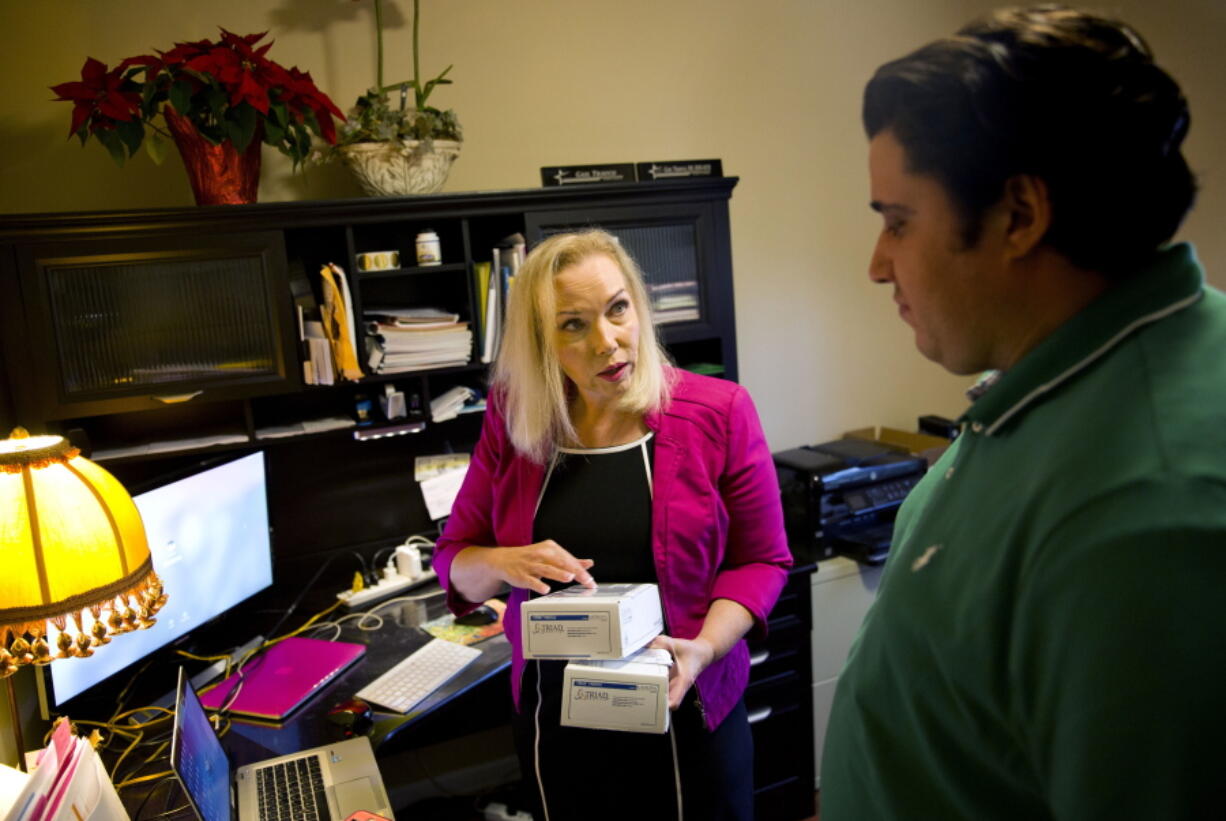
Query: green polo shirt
(1049, 637)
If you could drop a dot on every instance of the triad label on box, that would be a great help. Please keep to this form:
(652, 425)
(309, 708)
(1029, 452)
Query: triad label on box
(630, 695)
(608, 622)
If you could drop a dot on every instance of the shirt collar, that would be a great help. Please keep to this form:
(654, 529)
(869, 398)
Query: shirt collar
(1172, 282)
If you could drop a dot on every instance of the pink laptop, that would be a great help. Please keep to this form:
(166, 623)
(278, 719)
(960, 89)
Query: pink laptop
(283, 677)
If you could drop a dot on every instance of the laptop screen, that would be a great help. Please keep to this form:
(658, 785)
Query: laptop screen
(197, 757)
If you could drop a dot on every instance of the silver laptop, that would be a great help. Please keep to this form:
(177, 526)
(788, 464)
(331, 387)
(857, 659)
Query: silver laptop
(328, 782)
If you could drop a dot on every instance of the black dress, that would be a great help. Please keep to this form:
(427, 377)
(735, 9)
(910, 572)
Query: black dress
(596, 503)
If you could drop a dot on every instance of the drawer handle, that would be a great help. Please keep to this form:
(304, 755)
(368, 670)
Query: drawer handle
(760, 715)
(759, 657)
(175, 399)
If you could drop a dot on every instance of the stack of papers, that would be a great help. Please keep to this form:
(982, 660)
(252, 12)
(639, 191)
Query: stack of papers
(440, 478)
(674, 302)
(411, 339)
(454, 402)
(68, 782)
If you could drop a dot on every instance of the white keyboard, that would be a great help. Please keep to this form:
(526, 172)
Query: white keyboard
(418, 675)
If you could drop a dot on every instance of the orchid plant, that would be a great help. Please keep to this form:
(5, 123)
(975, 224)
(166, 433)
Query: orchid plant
(228, 89)
(374, 118)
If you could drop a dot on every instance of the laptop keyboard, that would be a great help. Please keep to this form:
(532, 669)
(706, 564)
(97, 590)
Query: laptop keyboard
(292, 791)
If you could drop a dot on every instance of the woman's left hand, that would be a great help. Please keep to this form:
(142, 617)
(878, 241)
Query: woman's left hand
(725, 624)
(690, 657)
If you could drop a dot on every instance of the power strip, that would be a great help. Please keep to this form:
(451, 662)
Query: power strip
(387, 587)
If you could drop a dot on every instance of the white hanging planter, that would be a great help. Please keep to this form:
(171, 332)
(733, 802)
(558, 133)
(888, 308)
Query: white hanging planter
(400, 168)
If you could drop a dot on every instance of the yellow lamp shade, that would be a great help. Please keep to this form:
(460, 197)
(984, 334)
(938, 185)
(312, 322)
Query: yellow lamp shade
(72, 546)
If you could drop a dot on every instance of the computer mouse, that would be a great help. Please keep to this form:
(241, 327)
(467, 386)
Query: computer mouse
(353, 716)
(480, 617)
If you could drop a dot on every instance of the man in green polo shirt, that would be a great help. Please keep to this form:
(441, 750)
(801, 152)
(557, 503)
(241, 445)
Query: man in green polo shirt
(1049, 637)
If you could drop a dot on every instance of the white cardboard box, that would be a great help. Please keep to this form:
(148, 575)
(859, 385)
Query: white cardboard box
(630, 695)
(609, 622)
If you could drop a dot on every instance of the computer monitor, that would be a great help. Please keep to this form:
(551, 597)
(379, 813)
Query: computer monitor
(209, 536)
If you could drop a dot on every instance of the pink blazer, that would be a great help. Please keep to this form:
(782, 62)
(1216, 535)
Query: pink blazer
(717, 521)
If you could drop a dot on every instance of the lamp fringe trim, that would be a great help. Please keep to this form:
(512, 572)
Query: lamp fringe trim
(126, 605)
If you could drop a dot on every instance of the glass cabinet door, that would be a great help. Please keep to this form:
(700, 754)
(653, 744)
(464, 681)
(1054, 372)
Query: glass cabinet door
(155, 324)
(674, 245)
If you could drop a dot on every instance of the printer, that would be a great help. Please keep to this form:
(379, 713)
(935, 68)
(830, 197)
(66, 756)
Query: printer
(842, 496)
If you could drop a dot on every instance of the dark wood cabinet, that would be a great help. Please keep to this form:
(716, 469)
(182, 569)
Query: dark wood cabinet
(779, 700)
(163, 335)
(153, 314)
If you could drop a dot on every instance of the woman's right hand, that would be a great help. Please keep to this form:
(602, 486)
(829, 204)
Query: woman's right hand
(478, 572)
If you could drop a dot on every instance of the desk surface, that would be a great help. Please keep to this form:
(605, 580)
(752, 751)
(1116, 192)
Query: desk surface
(399, 635)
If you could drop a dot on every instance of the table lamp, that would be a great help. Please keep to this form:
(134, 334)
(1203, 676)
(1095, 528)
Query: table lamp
(76, 566)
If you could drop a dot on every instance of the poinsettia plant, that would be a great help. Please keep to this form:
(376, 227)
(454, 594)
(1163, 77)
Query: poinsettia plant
(228, 89)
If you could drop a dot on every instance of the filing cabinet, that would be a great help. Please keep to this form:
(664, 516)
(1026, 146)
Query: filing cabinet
(780, 705)
(842, 591)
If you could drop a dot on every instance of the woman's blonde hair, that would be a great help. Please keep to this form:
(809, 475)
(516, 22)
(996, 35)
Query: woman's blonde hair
(527, 370)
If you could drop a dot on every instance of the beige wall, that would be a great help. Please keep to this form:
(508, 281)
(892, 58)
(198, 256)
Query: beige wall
(772, 88)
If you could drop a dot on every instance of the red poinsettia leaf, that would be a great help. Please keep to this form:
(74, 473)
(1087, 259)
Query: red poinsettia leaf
(80, 113)
(327, 129)
(252, 92)
(328, 105)
(196, 45)
(114, 107)
(242, 45)
(93, 71)
(179, 54)
(75, 90)
(272, 76)
(262, 50)
(212, 65)
(139, 60)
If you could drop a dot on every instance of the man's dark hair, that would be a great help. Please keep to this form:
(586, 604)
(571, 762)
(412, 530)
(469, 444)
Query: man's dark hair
(1070, 97)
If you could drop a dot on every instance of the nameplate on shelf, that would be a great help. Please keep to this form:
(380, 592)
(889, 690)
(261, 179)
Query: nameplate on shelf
(553, 175)
(675, 169)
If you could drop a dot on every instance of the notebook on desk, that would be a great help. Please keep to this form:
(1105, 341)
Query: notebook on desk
(328, 782)
(283, 677)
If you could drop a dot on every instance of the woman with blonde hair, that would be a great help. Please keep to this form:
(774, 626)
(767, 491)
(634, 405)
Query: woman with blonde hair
(598, 457)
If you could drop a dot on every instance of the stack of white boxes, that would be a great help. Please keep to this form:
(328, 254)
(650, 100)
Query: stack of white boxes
(611, 682)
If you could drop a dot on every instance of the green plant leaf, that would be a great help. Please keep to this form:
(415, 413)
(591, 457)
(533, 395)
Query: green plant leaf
(310, 120)
(274, 134)
(113, 144)
(156, 147)
(241, 125)
(181, 96)
(217, 101)
(131, 133)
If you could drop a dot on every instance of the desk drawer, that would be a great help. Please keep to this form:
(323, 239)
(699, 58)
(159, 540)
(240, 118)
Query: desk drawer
(780, 716)
(785, 649)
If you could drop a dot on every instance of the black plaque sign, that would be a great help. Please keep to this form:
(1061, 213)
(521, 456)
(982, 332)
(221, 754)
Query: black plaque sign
(587, 174)
(674, 169)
